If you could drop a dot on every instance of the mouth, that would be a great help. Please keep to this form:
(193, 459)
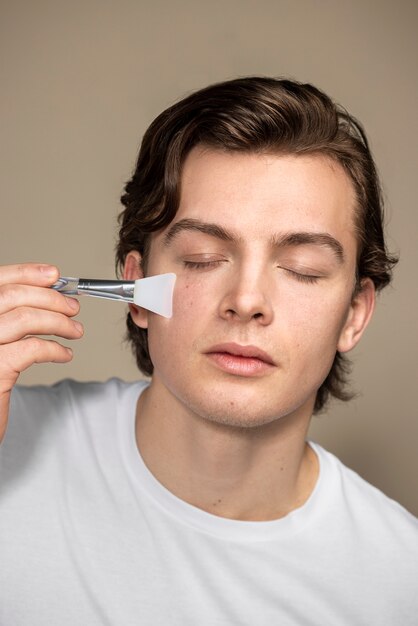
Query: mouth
(241, 360)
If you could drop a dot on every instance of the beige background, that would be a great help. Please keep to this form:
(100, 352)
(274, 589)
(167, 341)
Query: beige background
(80, 82)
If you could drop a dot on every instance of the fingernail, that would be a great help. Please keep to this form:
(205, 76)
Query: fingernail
(78, 326)
(72, 303)
(49, 270)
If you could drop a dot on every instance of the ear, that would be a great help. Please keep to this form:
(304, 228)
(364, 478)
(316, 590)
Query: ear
(359, 315)
(132, 270)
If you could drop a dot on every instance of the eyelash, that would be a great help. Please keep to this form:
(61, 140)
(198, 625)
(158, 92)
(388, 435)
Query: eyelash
(196, 265)
(303, 278)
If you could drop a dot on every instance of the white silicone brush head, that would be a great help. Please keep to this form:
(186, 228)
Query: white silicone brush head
(155, 293)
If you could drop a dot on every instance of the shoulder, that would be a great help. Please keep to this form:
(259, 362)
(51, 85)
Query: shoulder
(64, 405)
(369, 510)
(48, 424)
(69, 390)
(371, 539)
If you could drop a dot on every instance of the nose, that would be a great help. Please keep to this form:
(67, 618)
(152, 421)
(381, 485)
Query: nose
(248, 296)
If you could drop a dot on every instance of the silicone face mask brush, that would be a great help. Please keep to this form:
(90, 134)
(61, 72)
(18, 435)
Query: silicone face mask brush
(154, 293)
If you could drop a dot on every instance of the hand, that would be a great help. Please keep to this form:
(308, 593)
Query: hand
(29, 308)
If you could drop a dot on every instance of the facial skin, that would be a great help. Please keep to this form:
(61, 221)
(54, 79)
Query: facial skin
(224, 432)
(250, 291)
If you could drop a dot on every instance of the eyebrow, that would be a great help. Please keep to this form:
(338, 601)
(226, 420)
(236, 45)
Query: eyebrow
(279, 241)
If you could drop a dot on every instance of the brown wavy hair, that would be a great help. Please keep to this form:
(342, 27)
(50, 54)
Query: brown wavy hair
(253, 115)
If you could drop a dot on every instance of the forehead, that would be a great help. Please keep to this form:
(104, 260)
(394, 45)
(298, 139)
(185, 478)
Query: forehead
(265, 194)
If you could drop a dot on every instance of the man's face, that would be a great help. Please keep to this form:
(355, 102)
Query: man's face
(265, 252)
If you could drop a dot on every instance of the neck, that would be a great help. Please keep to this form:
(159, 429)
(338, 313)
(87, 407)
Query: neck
(252, 474)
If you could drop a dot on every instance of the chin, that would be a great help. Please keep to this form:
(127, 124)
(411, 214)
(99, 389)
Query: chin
(239, 421)
(237, 414)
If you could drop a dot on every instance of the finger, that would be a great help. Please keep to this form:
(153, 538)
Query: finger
(16, 357)
(29, 274)
(24, 321)
(13, 296)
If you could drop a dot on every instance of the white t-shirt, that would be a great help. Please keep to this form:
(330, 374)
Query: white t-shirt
(89, 537)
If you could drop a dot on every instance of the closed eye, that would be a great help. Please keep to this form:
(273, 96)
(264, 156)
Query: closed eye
(207, 265)
(303, 278)
(199, 265)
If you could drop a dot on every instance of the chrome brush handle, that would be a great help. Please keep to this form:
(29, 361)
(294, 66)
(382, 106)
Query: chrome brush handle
(110, 289)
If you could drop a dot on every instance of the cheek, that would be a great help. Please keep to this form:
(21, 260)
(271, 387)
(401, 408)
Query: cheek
(192, 298)
(315, 321)
(186, 298)
(190, 310)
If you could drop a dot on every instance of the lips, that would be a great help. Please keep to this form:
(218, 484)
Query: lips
(245, 351)
(241, 360)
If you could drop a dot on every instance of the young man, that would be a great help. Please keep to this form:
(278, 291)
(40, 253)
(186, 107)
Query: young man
(196, 498)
